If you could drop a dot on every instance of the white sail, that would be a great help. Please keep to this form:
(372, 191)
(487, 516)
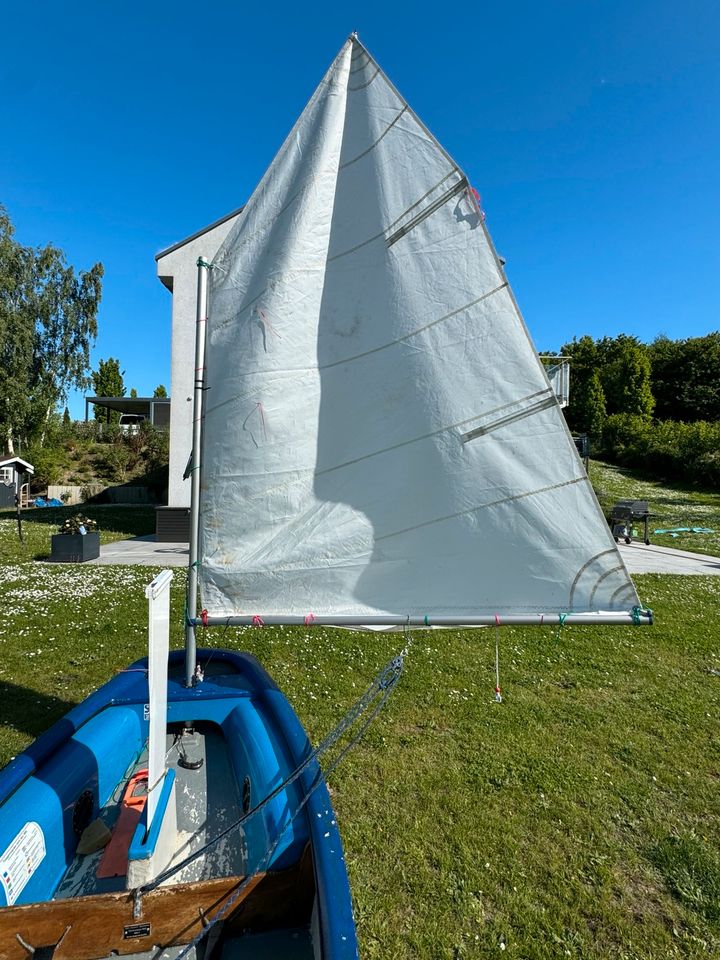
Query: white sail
(380, 437)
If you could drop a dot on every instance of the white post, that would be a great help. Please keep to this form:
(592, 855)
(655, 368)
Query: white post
(158, 594)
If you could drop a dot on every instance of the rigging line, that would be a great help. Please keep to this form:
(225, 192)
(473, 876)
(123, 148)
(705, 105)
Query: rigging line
(510, 418)
(396, 446)
(600, 580)
(381, 686)
(266, 859)
(582, 570)
(482, 506)
(414, 333)
(498, 694)
(372, 146)
(428, 211)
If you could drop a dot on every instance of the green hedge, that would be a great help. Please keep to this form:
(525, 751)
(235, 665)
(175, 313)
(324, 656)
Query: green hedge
(690, 451)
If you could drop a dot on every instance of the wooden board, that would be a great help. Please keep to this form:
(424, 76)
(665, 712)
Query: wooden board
(104, 923)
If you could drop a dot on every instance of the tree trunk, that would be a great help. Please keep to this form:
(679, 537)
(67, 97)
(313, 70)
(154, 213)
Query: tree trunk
(9, 441)
(47, 417)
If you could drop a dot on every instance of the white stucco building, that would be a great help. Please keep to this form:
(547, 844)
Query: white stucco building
(177, 270)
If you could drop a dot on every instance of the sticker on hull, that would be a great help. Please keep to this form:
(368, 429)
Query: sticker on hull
(21, 859)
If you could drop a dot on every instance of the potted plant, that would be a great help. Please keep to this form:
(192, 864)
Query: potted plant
(76, 541)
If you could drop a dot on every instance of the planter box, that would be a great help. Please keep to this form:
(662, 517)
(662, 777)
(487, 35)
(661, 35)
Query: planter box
(75, 547)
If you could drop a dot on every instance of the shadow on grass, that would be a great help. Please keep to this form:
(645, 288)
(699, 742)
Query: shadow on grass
(133, 519)
(28, 710)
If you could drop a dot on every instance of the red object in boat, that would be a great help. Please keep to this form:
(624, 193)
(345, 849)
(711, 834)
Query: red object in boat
(114, 861)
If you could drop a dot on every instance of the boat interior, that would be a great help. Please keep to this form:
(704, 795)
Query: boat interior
(229, 743)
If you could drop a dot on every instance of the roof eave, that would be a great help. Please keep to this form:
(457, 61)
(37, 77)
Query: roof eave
(194, 236)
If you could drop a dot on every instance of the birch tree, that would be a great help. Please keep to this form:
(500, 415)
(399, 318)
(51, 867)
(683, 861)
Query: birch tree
(48, 323)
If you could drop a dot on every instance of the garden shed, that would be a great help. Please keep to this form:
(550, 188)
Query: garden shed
(14, 474)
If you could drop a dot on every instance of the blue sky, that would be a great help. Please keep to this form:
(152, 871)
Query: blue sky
(591, 129)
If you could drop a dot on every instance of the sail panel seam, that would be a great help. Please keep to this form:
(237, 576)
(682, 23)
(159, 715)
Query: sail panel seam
(383, 233)
(510, 418)
(623, 589)
(482, 506)
(414, 333)
(368, 61)
(584, 567)
(428, 211)
(372, 146)
(423, 197)
(603, 577)
(366, 84)
(396, 446)
(249, 302)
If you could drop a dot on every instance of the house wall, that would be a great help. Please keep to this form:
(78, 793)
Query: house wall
(178, 271)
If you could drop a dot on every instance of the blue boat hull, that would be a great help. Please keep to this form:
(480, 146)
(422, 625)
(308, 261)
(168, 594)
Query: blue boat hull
(70, 775)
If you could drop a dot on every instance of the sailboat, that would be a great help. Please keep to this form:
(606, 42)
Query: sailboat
(376, 445)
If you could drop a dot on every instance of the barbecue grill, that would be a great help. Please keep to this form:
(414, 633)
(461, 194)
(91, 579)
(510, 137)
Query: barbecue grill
(624, 514)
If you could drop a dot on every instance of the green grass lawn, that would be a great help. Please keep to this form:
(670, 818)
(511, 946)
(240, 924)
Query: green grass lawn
(671, 506)
(579, 818)
(38, 525)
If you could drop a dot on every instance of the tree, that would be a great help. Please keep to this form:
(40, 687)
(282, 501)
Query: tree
(701, 387)
(160, 391)
(624, 367)
(583, 357)
(66, 418)
(590, 410)
(666, 371)
(66, 306)
(634, 395)
(133, 393)
(107, 381)
(48, 322)
(17, 335)
(686, 378)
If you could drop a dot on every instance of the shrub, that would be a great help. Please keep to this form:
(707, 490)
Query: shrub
(156, 446)
(689, 451)
(50, 465)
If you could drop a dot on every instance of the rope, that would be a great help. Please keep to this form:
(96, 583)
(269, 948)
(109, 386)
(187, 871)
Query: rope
(379, 690)
(498, 695)
(267, 858)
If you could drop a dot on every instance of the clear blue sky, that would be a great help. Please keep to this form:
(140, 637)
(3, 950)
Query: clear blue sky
(591, 129)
